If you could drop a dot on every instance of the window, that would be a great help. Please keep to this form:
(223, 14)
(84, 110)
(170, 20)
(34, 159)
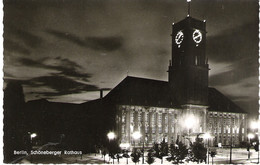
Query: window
(123, 117)
(132, 117)
(123, 128)
(159, 118)
(160, 129)
(166, 129)
(153, 129)
(153, 120)
(139, 116)
(166, 118)
(146, 129)
(146, 116)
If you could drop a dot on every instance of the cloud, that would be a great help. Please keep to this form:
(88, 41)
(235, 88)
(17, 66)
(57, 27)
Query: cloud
(12, 46)
(111, 43)
(104, 43)
(228, 73)
(22, 41)
(66, 80)
(54, 85)
(233, 44)
(241, 90)
(62, 85)
(64, 66)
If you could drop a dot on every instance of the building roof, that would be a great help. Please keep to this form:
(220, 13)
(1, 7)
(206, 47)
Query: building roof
(141, 91)
(149, 92)
(220, 103)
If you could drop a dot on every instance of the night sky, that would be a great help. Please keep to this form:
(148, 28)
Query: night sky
(67, 50)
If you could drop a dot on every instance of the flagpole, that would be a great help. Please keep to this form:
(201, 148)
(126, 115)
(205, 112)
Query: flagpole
(188, 7)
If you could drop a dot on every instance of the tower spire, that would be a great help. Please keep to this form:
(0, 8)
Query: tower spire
(188, 7)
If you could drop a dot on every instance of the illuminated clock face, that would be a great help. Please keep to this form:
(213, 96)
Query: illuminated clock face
(179, 37)
(197, 36)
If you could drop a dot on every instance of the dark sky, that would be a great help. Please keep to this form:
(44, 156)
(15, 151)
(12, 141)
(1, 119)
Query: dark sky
(66, 50)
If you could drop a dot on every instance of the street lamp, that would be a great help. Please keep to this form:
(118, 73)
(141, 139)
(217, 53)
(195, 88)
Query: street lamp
(250, 136)
(145, 140)
(255, 126)
(111, 136)
(136, 135)
(33, 135)
(125, 146)
(189, 122)
(207, 136)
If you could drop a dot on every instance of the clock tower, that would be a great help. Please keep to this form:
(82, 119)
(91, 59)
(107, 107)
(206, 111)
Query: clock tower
(188, 69)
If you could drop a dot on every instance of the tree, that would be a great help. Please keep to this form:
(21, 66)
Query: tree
(14, 120)
(150, 158)
(156, 149)
(164, 149)
(104, 152)
(213, 154)
(113, 149)
(125, 154)
(199, 152)
(178, 152)
(136, 154)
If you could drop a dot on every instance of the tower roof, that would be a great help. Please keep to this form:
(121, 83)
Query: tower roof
(190, 22)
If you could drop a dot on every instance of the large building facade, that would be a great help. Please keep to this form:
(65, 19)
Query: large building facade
(182, 107)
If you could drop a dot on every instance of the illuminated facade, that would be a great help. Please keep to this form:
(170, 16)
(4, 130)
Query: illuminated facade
(182, 107)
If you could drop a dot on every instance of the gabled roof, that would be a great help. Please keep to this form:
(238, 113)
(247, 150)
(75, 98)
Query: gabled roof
(220, 103)
(141, 91)
(149, 92)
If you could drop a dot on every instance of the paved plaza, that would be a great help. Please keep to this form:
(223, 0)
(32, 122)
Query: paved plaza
(239, 156)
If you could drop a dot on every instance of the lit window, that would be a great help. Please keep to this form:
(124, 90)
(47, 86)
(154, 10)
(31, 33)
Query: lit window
(123, 128)
(160, 129)
(153, 119)
(160, 118)
(123, 117)
(243, 131)
(132, 117)
(166, 118)
(146, 129)
(139, 116)
(147, 116)
(166, 129)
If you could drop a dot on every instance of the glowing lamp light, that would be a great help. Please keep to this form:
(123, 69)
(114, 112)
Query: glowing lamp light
(188, 0)
(33, 135)
(124, 145)
(190, 121)
(250, 135)
(206, 136)
(255, 124)
(111, 135)
(136, 135)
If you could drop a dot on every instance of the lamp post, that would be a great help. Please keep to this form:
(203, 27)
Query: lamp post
(145, 139)
(125, 146)
(136, 135)
(250, 136)
(207, 136)
(255, 126)
(111, 136)
(230, 158)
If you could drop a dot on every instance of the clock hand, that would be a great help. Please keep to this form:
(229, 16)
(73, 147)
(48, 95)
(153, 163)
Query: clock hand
(195, 37)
